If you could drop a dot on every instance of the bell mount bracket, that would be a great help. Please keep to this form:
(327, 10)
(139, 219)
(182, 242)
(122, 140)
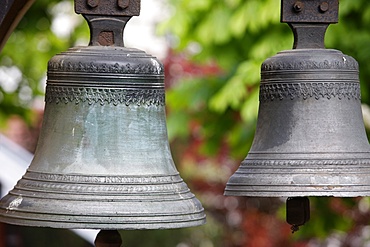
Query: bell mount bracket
(107, 19)
(309, 20)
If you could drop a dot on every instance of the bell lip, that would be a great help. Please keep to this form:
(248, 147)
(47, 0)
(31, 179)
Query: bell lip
(298, 177)
(238, 186)
(287, 193)
(168, 203)
(190, 216)
(104, 226)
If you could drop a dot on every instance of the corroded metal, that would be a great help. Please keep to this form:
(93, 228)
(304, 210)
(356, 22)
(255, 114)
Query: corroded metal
(107, 19)
(309, 20)
(309, 11)
(308, 36)
(108, 7)
(310, 138)
(103, 159)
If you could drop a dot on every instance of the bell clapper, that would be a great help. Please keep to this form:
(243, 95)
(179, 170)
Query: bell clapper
(108, 238)
(297, 212)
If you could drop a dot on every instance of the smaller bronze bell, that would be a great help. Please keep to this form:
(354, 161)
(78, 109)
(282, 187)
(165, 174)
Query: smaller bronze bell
(310, 138)
(103, 159)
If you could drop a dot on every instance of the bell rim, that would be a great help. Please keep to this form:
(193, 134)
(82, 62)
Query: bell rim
(170, 224)
(152, 202)
(185, 212)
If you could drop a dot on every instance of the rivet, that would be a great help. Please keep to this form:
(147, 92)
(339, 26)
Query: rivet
(93, 3)
(123, 4)
(298, 6)
(324, 6)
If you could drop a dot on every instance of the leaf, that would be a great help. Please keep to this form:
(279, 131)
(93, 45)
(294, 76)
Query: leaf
(236, 88)
(249, 109)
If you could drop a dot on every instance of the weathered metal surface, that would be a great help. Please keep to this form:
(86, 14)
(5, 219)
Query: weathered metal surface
(107, 31)
(310, 138)
(107, 19)
(103, 159)
(314, 11)
(309, 20)
(108, 7)
(11, 12)
(308, 36)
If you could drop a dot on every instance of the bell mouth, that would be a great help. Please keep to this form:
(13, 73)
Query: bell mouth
(301, 177)
(101, 202)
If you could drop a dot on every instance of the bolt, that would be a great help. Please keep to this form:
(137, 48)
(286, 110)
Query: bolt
(93, 3)
(298, 6)
(324, 6)
(123, 4)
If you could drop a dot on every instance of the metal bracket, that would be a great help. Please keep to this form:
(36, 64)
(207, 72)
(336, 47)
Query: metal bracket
(108, 7)
(313, 11)
(309, 20)
(107, 19)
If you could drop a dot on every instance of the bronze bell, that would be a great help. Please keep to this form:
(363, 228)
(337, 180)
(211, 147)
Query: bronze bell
(310, 138)
(103, 159)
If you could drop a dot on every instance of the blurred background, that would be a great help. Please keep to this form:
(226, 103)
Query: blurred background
(212, 51)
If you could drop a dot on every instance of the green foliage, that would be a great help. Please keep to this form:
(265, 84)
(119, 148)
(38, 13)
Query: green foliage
(238, 36)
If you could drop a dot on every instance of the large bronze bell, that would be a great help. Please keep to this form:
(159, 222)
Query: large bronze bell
(103, 159)
(310, 138)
